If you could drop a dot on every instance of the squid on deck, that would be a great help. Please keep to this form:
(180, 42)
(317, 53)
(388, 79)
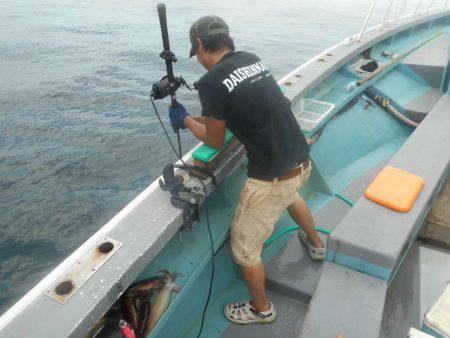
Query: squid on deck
(137, 299)
(162, 300)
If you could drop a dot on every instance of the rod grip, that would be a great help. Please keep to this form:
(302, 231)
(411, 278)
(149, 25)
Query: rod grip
(165, 38)
(163, 23)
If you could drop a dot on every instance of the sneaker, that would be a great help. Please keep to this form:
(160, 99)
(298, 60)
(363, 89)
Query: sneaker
(316, 254)
(243, 313)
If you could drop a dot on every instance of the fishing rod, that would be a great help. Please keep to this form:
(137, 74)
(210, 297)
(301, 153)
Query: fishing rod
(181, 197)
(394, 60)
(169, 84)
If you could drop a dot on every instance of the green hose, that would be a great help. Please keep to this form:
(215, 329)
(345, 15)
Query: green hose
(345, 199)
(293, 227)
(324, 231)
(319, 229)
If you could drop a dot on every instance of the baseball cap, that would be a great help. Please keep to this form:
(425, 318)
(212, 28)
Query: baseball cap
(206, 26)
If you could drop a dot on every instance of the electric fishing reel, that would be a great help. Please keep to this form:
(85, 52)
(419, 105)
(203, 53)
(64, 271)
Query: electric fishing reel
(164, 87)
(169, 84)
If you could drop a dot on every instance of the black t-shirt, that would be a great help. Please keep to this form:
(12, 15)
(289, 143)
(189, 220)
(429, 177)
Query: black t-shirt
(241, 90)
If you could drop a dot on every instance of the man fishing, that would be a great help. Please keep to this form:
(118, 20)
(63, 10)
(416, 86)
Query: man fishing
(238, 92)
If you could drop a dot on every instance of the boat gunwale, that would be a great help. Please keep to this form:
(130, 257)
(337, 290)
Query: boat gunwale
(314, 72)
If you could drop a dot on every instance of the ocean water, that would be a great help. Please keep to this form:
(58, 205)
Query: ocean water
(78, 136)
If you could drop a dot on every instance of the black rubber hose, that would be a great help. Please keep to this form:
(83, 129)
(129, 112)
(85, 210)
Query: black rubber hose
(386, 105)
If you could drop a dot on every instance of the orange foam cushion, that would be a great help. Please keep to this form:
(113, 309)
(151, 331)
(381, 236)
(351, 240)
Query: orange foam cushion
(395, 188)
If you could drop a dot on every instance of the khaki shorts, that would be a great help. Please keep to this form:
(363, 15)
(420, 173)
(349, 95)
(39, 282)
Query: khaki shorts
(260, 206)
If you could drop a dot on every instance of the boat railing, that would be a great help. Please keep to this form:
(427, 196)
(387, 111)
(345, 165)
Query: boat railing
(393, 16)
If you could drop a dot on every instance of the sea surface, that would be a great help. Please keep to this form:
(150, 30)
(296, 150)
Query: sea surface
(78, 136)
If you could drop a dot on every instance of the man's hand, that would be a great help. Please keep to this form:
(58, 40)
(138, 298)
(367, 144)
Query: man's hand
(177, 115)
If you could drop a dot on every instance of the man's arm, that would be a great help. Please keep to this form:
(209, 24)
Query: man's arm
(211, 133)
(199, 118)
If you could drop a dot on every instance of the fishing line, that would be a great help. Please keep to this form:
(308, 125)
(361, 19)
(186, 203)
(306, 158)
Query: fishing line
(179, 155)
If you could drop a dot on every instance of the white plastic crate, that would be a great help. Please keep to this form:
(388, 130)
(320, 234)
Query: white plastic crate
(356, 67)
(309, 112)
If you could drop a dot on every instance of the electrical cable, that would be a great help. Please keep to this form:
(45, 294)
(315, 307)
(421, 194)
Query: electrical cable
(179, 143)
(212, 262)
(167, 134)
(179, 155)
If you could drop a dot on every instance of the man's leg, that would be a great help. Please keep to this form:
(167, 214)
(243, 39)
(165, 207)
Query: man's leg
(255, 278)
(260, 205)
(301, 214)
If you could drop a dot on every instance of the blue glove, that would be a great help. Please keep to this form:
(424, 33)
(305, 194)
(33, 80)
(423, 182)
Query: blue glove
(177, 115)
